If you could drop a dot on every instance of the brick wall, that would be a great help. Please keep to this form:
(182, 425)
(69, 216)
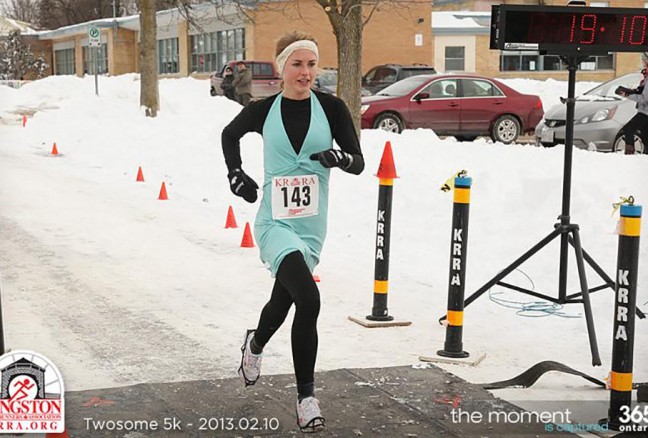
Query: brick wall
(487, 61)
(122, 57)
(485, 5)
(388, 37)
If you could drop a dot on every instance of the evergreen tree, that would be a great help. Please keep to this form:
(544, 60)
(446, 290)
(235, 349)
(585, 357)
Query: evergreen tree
(17, 59)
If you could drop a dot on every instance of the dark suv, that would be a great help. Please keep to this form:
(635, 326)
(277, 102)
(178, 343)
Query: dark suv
(384, 75)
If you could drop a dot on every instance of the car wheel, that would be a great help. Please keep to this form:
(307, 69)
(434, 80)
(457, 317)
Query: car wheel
(389, 122)
(619, 144)
(506, 129)
(212, 91)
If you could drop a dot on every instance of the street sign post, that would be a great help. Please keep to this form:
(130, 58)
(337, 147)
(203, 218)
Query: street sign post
(94, 41)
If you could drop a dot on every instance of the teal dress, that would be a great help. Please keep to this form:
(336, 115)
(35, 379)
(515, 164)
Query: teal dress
(293, 211)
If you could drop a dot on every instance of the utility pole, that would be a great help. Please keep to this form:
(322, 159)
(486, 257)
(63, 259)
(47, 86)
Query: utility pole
(115, 27)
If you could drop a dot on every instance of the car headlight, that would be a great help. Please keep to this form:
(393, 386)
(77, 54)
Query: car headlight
(364, 108)
(599, 116)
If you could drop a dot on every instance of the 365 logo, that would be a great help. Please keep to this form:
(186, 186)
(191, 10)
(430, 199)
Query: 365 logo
(31, 394)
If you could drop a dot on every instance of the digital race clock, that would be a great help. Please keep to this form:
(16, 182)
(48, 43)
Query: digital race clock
(568, 29)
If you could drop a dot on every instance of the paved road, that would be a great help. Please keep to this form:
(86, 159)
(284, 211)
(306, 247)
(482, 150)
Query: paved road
(376, 402)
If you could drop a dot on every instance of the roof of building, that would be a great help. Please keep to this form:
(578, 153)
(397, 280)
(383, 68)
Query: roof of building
(131, 22)
(460, 22)
(8, 25)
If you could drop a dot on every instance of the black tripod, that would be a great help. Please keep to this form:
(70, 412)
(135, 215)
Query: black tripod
(568, 233)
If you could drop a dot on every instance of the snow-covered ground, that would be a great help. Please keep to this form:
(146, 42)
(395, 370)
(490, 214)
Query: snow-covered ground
(117, 287)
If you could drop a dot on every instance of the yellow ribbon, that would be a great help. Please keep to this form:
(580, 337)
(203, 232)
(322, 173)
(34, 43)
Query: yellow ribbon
(449, 184)
(615, 206)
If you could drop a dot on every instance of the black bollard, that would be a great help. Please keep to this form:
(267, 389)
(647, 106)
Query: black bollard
(386, 173)
(453, 346)
(619, 412)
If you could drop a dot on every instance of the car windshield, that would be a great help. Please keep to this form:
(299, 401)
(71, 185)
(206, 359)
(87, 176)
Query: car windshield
(404, 87)
(327, 79)
(409, 72)
(606, 90)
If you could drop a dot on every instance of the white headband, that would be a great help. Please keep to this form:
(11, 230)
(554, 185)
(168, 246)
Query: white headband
(297, 45)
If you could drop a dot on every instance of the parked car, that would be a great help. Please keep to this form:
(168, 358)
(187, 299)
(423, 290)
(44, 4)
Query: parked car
(599, 116)
(382, 76)
(464, 106)
(326, 82)
(265, 78)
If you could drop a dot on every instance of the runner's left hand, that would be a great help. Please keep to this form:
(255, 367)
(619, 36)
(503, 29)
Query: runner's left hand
(333, 158)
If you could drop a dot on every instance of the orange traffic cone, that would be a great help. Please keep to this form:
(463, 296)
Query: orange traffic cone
(230, 222)
(247, 241)
(140, 175)
(63, 434)
(163, 193)
(54, 149)
(24, 120)
(387, 169)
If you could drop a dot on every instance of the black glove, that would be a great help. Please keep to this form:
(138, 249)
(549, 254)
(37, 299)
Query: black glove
(242, 185)
(333, 158)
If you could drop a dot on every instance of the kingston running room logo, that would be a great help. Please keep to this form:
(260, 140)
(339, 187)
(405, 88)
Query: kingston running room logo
(31, 399)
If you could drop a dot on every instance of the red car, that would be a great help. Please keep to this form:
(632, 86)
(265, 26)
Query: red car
(464, 106)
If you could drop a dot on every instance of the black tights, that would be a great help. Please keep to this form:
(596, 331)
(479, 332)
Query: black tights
(638, 123)
(294, 284)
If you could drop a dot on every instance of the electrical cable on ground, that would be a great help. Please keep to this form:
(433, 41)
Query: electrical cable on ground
(530, 309)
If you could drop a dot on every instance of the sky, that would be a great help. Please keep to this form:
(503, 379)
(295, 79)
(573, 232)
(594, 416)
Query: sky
(117, 287)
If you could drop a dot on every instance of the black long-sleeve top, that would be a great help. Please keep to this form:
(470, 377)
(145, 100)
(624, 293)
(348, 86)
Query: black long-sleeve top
(296, 118)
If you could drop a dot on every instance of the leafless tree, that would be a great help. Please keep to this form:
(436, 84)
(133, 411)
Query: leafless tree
(347, 22)
(149, 92)
(57, 13)
(22, 10)
(347, 19)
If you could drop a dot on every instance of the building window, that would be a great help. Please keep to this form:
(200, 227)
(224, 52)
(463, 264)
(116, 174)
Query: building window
(604, 62)
(168, 56)
(211, 51)
(64, 60)
(454, 58)
(521, 61)
(532, 61)
(95, 59)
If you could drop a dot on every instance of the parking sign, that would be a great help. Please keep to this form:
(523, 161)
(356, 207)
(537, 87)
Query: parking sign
(94, 37)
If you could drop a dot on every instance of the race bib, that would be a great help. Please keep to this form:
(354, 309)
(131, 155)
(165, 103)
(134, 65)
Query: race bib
(295, 196)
